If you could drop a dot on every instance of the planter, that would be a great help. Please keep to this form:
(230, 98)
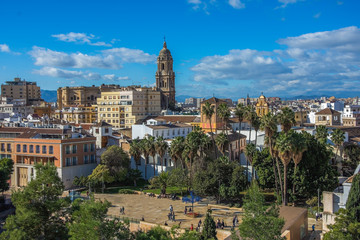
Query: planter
(193, 214)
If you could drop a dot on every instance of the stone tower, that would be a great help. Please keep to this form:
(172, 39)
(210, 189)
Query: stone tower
(165, 78)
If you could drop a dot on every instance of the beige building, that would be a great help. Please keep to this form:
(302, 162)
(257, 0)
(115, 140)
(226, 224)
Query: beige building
(81, 96)
(21, 89)
(77, 114)
(125, 106)
(328, 117)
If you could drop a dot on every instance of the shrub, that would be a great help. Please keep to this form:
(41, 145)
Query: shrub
(126, 191)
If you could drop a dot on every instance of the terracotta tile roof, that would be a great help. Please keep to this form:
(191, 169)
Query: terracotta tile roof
(350, 179)
(169, 126)
(213, 100)
(35, 131)
(327, 111)
(13, 129)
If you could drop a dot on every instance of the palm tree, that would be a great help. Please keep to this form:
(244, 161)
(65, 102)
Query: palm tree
(250, 151)
(135, 151)
(161, 147)
(269, 125)
(152, 151)
(299, 146)
(145, 149)
(286, 118)
(205, 144)
(321, 134)
(284, 145)
(176, 149)
(337, 137)
(249, 117)
(256, 122)
(240, 113)
(224, 113)
(221, 142)
(208, 110)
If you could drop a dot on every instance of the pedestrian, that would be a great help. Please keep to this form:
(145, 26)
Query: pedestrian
(171, 208)
(165, 223)
(199, 223)
(169, 216)
(313, 227)
(191, 227)
(123, 210)
(185, 211)
(173, 216)
(317, 216)
(142, 219)
(179, 224)
(222, 224)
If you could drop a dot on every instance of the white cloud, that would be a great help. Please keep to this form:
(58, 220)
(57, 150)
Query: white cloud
(343, 38)
(62, 73)
(286, 2)
(47, 57)
(4, 48)
(317, 15)
(80, 38)
(130, 55)
(236, 4)
(310, 63)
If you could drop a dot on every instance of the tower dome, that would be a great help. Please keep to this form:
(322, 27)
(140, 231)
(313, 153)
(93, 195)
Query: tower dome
(164, 50)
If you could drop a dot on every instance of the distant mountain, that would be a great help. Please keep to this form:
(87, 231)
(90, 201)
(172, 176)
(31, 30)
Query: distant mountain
(49, 95)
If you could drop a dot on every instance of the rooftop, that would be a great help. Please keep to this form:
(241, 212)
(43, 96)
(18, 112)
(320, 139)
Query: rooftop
(327, 111)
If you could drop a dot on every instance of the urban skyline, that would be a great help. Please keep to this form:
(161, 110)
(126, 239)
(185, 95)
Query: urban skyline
(228, 48)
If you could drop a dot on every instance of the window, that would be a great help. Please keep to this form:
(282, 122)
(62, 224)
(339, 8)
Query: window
(9, 147)
(74, 161)
(3, 147)
(37, 149)
(92, 147)
(43, 149)
(67, 149)
(97, 130)
(31, 148)
(51, 149)
(74, 149)
(86, 159)
(67, 163)
(92, 158)
(106, 130)
(85, 147)
(18, 148)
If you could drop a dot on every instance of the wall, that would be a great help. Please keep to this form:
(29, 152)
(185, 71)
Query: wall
(67, 174)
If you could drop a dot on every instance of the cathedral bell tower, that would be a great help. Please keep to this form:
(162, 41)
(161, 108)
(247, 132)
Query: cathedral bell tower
(165, 78)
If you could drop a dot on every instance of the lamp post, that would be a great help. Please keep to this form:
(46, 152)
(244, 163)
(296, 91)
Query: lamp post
(318, 200)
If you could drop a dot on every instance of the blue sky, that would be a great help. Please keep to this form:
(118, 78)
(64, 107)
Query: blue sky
(228, 48)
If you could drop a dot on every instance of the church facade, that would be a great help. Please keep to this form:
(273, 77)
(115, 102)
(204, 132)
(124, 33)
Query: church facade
(165, 78)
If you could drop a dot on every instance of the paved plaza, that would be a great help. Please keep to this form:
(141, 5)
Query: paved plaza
(156, 210)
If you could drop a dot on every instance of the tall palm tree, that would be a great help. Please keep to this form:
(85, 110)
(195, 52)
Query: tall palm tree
(286, 118)
(145, 146)
(250, 151)
(192, 143)
(209, 110)
(161, 147)
(299, 146)
(240, 113)
(224, 113)
(321, 134)
(135, 151)
(176, 150)
(205, 145)
(337, 137)
(256, 122)
(152, 151)
(221, 142)
(284, 147)
(269, 125)
(249, 116)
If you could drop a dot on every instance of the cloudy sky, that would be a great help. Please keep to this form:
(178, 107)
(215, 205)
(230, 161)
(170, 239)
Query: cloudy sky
(223, 47)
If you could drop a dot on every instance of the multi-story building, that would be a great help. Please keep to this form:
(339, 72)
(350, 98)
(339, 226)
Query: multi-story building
(216, 122)
(125, 106)
(262, 106)
(71, 152)
(81, 96)
(351, 115)
(9, 106)
(165, 78)
(328, 117)
(77, 115)
(21, 89)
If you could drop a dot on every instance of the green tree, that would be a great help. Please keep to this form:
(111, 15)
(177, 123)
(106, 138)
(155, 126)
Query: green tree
(344, 228)
(89, 221)
(262, 162)
(178, 178)
(135, 151)
(259, 221)
(208, 110)
(223, 112)
(298, 148)
(101, 174)
(145, 149)
(117, 161)
(134, 175)
(353, 155)
(161, 181)
(161, 147)
(249, 116)
(286, 118)
(176, 150)
(39, 207)
(222, 142)
(152, 150)
(6, 169)
(240, 114)
(209, 227)
(250, 151)
(337, 137)
(321, 134)
(353, 202)
(256, 123)
(155, 233)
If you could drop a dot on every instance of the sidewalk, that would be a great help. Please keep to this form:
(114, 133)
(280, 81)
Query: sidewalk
(318, 229)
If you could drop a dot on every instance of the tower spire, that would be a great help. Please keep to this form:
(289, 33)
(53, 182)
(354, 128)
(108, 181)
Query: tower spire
(164, 46)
